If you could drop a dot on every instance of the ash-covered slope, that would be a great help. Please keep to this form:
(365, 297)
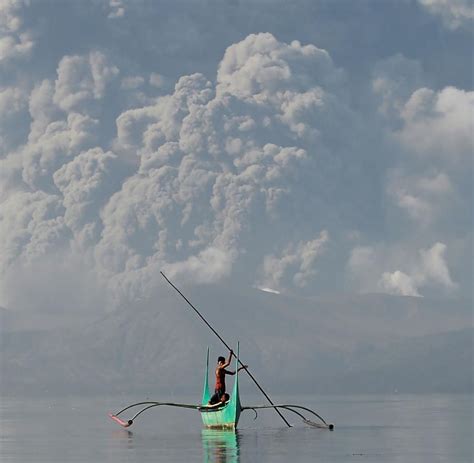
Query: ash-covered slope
(439, 362)
(349, 343)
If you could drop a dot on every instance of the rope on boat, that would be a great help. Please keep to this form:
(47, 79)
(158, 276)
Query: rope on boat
(290, 408)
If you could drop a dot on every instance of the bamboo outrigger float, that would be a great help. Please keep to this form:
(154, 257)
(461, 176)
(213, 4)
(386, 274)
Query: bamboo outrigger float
(223, 415)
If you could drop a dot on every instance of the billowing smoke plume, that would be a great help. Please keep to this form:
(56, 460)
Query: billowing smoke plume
(264, 172)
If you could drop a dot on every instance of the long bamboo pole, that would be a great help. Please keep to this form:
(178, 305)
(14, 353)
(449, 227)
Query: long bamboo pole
(226, 345)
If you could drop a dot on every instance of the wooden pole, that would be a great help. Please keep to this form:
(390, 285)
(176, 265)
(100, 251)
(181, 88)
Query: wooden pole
(226, 345)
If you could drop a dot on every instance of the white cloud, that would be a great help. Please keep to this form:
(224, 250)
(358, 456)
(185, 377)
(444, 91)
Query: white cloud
(12, 100)
(60, 141)
(15, 41)
(13, 115)
(132, 82)
(297, 261)
(32, 226)
(432, 137)
(454, 13)
(259, 66)
(439, 124)
(209, 176)
(417, 272)
(237, 173)
(86, 184)
(43, 111)
(424, 198)
(117, 9)
(434, 267)
(210, 265)
(398, 283)
(83, 79)
(394, 79)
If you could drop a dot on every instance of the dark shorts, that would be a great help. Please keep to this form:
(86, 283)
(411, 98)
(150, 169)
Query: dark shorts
(216, 398)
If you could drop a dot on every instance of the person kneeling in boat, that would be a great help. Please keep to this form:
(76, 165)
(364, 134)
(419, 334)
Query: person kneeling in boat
(220, 395)
(224, 399)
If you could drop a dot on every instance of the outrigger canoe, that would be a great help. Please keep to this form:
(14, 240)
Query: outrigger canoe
(226, 415)
(222, 416)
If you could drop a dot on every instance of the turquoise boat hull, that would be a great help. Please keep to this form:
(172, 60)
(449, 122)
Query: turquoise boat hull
(227, 416)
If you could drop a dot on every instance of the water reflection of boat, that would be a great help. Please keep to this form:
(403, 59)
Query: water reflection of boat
(220, 445)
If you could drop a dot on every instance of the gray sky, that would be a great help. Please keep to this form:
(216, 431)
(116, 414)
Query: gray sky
(305, 147)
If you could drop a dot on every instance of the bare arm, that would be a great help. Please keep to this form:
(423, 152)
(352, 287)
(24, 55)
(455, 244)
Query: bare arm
(231, 372)
(229, 360)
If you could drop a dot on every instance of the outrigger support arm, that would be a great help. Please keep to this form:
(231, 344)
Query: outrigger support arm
(147, 406)
(227, 346)
(290, 408)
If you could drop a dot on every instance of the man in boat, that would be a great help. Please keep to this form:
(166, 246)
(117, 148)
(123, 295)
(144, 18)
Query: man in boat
(224, 399)
(220, 395)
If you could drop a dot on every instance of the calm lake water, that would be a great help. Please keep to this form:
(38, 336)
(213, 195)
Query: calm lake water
(389, 428)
